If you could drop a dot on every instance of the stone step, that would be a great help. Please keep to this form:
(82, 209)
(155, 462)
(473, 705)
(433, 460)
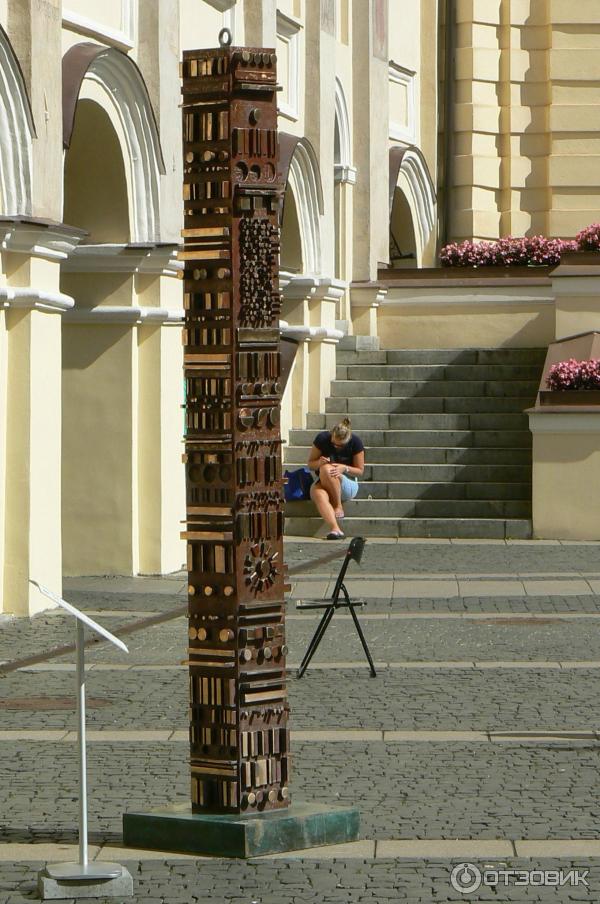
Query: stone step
(449, 473)
(440, 388)
(339, 407)
(452, 372)
(426, 489)
(423, 455)
(499, 439)
(361, 422)
(465, 528)
(440, 474)
(444, 356)
(422, 508)
(342, 357)
(359, 343)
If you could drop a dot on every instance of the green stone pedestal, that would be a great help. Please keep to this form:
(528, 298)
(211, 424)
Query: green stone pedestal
(296, 827)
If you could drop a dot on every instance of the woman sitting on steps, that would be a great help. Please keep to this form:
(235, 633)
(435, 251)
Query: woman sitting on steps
(338, 457)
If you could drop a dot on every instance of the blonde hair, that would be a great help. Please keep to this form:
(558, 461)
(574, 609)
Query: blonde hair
(342, 431)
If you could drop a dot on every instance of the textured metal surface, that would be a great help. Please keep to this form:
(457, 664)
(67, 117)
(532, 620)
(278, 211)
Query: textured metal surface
(232, 363)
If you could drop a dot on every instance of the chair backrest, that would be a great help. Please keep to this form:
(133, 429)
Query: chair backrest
(354, 551)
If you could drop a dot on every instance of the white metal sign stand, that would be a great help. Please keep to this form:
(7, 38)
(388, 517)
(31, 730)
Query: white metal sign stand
(83, 870)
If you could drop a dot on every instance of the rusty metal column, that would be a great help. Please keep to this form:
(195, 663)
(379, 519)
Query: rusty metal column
(240, 803)
(238, 732)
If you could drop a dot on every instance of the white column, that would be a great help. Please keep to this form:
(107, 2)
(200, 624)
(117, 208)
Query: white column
(365, 299)
(32, 511)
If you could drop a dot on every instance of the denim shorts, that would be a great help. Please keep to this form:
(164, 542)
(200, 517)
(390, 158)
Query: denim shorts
(349, 487)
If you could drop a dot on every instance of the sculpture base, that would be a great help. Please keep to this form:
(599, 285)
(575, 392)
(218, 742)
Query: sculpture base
(298, 826)
(81, 882)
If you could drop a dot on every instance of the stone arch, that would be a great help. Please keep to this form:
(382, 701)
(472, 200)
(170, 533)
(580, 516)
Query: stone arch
(111, 79)
(304, 180)
(343, 149)
(18, 131)
(410, 175)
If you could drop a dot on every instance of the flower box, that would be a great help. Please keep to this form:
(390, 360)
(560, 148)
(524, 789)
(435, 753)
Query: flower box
(570, 397)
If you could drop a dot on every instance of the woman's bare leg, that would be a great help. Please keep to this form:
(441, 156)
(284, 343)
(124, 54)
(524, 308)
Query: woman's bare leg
(333, 485)
(320, 497)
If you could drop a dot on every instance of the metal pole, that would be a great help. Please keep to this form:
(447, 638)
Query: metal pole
(83, 851)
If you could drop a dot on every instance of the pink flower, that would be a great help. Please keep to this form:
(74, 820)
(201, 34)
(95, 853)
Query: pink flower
(507, 252)
(588, 239)
(572, 374)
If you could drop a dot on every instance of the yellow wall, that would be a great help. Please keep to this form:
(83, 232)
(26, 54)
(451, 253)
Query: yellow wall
(566, 484)
(440, 315)
(99, 491)
(161, 479)
(527, 142)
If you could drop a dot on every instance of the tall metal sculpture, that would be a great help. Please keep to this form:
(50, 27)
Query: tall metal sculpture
(238, 733)
(234, 527)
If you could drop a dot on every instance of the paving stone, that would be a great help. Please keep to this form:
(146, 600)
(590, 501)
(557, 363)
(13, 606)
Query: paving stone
(538, 791)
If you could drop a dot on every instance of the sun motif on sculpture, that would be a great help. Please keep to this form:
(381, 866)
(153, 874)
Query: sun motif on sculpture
(260, 566)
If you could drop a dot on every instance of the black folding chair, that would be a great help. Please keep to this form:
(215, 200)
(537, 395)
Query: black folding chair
(354, 551)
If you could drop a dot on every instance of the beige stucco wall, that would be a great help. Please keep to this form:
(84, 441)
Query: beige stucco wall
(577, 300)
(440, 316)
(566, 475)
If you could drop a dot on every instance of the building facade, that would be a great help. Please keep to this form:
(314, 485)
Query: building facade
(402, 125)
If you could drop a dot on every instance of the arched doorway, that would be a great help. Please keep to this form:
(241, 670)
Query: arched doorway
(123, 491)
(17, 131)
(403, 242)
(95, 184)
(412, 208)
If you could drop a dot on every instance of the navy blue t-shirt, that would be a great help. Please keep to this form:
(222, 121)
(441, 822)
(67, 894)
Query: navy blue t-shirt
(343, 455)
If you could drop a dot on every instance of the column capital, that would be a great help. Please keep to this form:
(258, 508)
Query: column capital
(367, 294)
(53, 302)
(39, 238)
(135, 257)
(344, 174)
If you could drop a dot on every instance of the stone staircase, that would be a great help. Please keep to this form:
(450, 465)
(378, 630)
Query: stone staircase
(448, 446)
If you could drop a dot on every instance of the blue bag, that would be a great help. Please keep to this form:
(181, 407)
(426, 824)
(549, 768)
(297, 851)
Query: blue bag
(298, 484)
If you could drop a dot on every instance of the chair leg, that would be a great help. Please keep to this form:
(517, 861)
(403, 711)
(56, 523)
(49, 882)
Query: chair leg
(362, 640)
(316, 639)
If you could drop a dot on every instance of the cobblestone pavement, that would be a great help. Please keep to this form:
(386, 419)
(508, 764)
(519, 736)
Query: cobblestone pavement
(482, 790)
(306, 881)
(400, 699)
(529, 613)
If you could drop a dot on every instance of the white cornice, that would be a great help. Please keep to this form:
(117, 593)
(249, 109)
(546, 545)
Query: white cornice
(309, 333)
(570, 421)
(367, 295)
(303, 286)
(157, 259)
(105, 314)
(122, 39)
(419, 298)
(54, 302)
(54, 243)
